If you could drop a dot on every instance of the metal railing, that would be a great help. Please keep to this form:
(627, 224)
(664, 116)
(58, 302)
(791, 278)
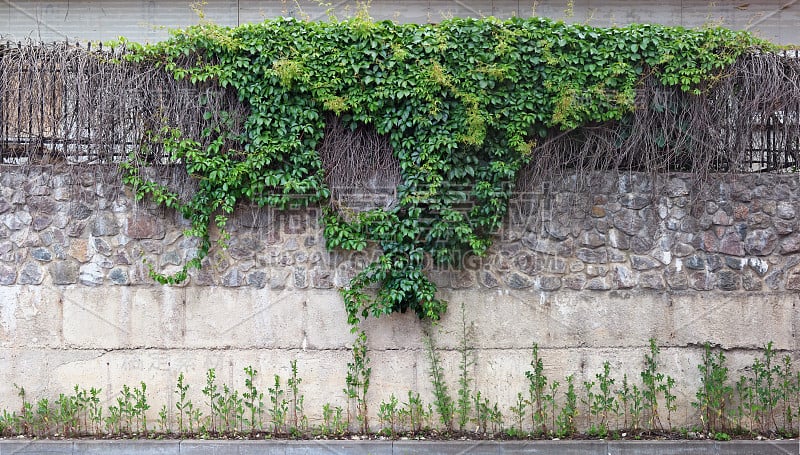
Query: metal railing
(74, 103)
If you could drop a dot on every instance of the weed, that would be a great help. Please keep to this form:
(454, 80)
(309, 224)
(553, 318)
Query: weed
(113, 420)
(195, 418)
(332, 420)
(624, 398)
(565, 422)
(253, 398)
(441, 397)
(280, 407)
(721, 436)
(536, 390)
(387, 413)
(211, 391)
(125, 405)
(415, 411)
(765, 372)
(65, 414)
(550, 400)
(786, 387)
(95, 409)
(231, 409)
(651, 385)
(636, 408)
(669, 399)
(163, 420)
(519, 414)
(714, 393)
(605, 402)
(464, 380)
(357, 381)
(483, 412)
(299, 419)
(183, 405)
(140, 408)
(327, 417)
(752, 408)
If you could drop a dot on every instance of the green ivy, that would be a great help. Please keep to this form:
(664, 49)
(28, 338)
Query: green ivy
(463, 104)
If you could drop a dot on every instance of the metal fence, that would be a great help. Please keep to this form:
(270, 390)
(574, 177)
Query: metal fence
(73, 103)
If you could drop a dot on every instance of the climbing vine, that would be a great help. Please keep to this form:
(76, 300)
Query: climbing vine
(463, 105)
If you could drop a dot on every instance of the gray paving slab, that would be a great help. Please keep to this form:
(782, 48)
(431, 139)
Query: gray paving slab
(197, 447)
(785, 447)
(232, 447)
(499, 447)
(663, 447)
(20, 446)
(127, 447)
(339, 447)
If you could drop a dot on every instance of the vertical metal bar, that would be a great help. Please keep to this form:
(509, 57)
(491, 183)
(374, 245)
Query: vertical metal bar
(3, 89)
(89, 100)
(30, 107)
(53, 116)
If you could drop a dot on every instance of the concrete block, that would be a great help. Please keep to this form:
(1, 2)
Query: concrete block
(232, 447)
(659, 448)
(33, 369)
(127, 447)
(729, 320)
(30, 316)
(158, 317)
(395, 372)
(326, 321)
(255, 11)
(494, 447)
(555, 9)
(411, 11)
(117, 317)
(26, 446)
(395, 331)
(515, 320)
(504, 9)
(613, 13)
(463, 8)
(244, 318)
(759, 447)
(339, 447)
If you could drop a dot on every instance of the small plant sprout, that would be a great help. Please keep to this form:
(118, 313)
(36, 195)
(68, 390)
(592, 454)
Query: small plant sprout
(212, 394)
(299, 419)
(279, 406)
(387, 413)
(163, 420)
(714, 393)
(464, 379)
(441, 397)
(357, 380)
(536, 393)
(415, 411)
(565, 421)
(183, 405)
(140, 407)
(651, 386)
(519, 415)
(253, 398)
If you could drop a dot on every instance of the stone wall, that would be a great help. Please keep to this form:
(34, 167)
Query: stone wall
(590, 275)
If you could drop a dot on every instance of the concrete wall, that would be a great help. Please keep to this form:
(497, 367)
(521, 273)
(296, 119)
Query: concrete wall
(590, 278)
(148, 20)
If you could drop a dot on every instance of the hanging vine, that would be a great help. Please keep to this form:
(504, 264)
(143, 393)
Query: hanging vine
(462, 105)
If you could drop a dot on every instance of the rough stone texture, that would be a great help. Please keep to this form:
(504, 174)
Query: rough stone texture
(589, 278)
